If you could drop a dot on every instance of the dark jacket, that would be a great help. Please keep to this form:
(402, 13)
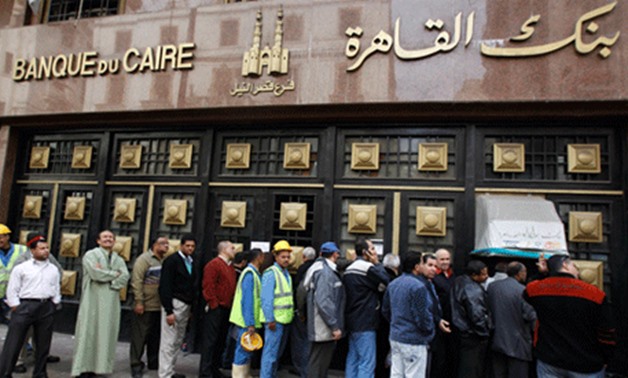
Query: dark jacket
(513, 318)
(435, 308)
(469, 308)
(442, 284)
(176, 282)
(364, 282)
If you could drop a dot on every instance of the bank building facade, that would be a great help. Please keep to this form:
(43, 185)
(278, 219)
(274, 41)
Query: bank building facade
(312, 121)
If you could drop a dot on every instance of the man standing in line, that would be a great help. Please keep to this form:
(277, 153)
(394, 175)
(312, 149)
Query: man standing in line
(177, 291)
(471, 319)
(576, 334)
(407, 306)
(443, 348)
(513, 318)
(246, 311)
(325, 309)
(299, 344)
(33, 292)
(277, 308)
(219, 283)
(98, 321)
(146, 318)
(9, 253)
(364, 280)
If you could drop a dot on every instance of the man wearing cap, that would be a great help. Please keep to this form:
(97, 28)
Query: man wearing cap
(325, 309)
(9, 253)
(219, 283)
(33, 292)
(245, 313)
(365, 280)
(277, 308)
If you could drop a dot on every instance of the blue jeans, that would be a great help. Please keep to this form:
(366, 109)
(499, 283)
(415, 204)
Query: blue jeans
(274, 345)
(241, 356)
(361, 356)
(544, 370)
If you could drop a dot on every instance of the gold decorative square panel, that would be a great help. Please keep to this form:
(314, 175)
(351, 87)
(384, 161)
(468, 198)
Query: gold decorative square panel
(123, 293)
(508, 157)
(122, 246)
(432, 157)
(124, 210)
(238, 247)
(293, 216)
(363, 219)
(365, 156)
(181, 156)
(131, 156)
(39, 157)
(350, 255)
(70, 245)
(68, 282)
(32, 207)
(173, 246)
(175, 211)
(296, 259)
(74, 208)
(24, 236)
(82, 157)
(431, 221)
(583, 158)
(296, 156)
(233, 214)
(585, 226)
(238, 155)
(591, 272)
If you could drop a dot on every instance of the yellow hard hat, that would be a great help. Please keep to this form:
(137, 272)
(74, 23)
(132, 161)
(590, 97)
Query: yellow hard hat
(251, 343)
(282, 245)
(4, 229)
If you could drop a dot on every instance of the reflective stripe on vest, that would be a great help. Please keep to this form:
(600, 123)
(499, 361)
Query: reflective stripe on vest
(283, 304)
(236, 316)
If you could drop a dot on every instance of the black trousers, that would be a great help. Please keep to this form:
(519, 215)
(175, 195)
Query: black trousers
(213, 338)
(472, 357)
(39, 315)
(509, 367)
(145, 332)
(321, 354)
(444, 356)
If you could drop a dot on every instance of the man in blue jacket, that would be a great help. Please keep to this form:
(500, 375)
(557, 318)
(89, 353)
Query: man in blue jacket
(364, 280)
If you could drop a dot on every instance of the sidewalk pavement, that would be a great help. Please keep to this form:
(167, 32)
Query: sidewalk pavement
(63, 346)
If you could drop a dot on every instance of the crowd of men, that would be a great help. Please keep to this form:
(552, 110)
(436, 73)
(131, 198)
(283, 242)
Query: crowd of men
(413, 318)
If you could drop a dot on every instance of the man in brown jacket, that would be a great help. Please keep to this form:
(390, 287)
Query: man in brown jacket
(146, 318)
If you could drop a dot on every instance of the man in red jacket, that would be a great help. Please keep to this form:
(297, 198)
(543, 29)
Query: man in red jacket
(219, 283)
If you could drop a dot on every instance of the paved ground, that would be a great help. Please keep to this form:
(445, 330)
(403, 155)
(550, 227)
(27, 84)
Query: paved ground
(62, 346)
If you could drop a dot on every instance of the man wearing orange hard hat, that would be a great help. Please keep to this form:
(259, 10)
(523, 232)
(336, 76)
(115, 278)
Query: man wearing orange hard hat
(277, 308)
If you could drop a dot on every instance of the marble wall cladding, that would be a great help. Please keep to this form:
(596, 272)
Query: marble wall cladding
(418, 65)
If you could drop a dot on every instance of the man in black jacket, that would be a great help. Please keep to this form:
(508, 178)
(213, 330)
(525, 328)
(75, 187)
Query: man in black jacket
(471, 319)
(177, 293)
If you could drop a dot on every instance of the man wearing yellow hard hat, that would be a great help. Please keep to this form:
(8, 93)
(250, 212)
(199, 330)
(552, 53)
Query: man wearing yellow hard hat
(277, 308)
(9, 253)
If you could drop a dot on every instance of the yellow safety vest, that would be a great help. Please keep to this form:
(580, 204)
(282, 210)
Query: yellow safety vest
(283, 304)
(236, 316)
(5, 271)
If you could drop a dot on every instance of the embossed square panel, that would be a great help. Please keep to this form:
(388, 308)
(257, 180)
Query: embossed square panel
(296, 156)
(238, 247)
(131, 156)
(350, 254)
(432, 157)
(173, 246)
(585, 226)
(39, 157)
(365, 156)
(70, 245)
(68, 282)
(82, 157)
(175, 211)
(293, 216)
(74, 208)
(583, 158)
(181, 156)
(238, 155)
(233, 214)
(296, 258)
(591, 272)
(431, 221)
(363, 219)
(122, 246)
(32, 207)
(508, 157)
(24, 236)
(124, 210)
(123, 293)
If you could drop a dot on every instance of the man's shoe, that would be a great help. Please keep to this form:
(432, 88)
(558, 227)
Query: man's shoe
(20, 369)
(53, 359)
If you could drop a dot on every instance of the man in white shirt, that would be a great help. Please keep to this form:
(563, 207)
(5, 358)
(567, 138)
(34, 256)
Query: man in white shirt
(34, 291)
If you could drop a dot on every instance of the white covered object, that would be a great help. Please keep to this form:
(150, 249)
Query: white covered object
(518, 222)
